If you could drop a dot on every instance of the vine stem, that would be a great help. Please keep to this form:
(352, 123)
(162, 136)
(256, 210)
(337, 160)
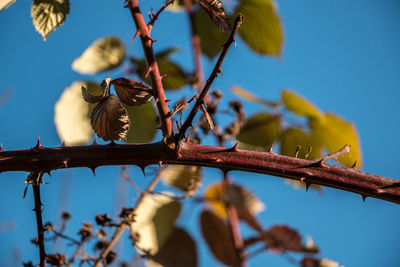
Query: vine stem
(227, 159)
(147, 44)
(213, 75)
(196, 44)
(36, 180)
(235, 226)
(124, 226)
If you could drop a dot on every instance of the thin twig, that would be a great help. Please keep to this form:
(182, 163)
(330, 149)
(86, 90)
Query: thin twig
(124, 226)
(234, 226)
(147, 44)
(214, 74)
(196, 44)
(155, 17)
(36, 181)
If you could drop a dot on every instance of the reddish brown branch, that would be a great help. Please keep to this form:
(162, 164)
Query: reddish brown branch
(36, 177)
(196, 44)
(214, 74)
(124, 226)
(235, 226)
(147, 44)
(226, 159)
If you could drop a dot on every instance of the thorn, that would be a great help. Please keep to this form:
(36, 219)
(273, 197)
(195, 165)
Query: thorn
(151, 39)
(136, 35)
(64, 162)
(48, 172)
(297, 151)
(38, 145)
(308, 152)
(234, 148)
(142, 167)
(270, 149)
(63, 144)
(307, 186)
(354, 165)
(363, 197)
(93, 168)
(1, 147)
(160, 163)
(302, 179)
(156, 100)
(167, 100)
(95, 142)
(147, 72)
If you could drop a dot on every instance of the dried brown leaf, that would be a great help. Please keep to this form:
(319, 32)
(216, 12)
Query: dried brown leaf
(281, 238)
(178, 251)
(131, 92)
(110, 119)
(217, 13)
(219, 238)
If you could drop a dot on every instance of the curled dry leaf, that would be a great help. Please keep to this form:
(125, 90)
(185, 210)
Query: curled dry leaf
(93, 99)
(110, 119)
(217, 13)
(281, 238)
(131, 92)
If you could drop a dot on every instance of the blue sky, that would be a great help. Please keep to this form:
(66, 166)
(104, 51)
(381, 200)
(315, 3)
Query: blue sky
(342, 55)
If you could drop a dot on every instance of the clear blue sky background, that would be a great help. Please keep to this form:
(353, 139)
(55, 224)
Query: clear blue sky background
(342, 55)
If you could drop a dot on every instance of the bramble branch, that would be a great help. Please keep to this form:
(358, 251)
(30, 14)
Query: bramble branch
(36, 178)
(147, 44)
(45, 160)
(213, 75)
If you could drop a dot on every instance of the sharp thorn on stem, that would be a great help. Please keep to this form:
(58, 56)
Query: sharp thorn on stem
(302, 179)
(65, 163)
(148, 72)
(296, 153)
(136, 35)
(142, 167)
(354, 165)
(38, 144)
(270, 149)
(160, 163)
(63, 144)
(307, 186)
(95, 141)
(93, 168)
(1, 147)
(363, 197)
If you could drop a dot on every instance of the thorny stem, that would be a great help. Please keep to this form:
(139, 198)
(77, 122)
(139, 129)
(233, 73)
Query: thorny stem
(123, 226)
(226, 159)
(36, 180)
(155, 17)
(214, 74)
(147, 43)
(196, 44)
(234, 226)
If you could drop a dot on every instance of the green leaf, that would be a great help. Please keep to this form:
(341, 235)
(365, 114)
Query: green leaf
(104, 54)
(211, 38)
(144, 123)
(299, 105)
(72, 113)
(154, 221)
(47, 15)
(185, 178)
(261, 29)
(175, 77)
(333, 132)
(180, 241)
(293, 137)
(5, 4)
(259, 132)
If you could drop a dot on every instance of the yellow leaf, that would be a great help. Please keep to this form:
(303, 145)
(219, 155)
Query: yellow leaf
(261, 28)
(334, 133)
(299, 105)
(259, 132)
